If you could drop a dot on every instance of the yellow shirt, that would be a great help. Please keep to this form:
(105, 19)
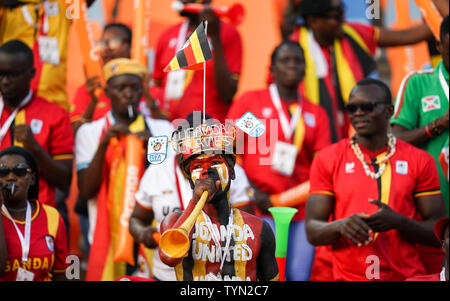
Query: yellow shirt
(19, 24)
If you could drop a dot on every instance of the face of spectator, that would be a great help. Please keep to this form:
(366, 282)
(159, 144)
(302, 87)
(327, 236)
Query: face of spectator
(114, 44)
(16, 73)
(124, 91)
(328, 26)
(443, 49)
(288, 68)
(368, 111)
(15, 170)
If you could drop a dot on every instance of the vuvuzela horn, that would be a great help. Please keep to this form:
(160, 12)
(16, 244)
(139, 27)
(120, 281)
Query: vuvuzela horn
(282, 217)
(175, 243)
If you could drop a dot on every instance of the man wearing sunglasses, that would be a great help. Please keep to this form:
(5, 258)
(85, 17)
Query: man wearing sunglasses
(338, 54)
(381, 193)
(33, 123)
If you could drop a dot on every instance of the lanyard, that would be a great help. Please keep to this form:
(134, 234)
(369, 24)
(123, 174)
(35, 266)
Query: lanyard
(288, 129)
(24, 240)
(216, 239)
(444, 83)
(5, 127)
(181, 39)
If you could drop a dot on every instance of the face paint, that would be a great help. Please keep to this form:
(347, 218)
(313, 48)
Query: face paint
(199, 168)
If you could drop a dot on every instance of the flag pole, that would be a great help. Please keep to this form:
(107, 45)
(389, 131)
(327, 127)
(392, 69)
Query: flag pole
(204, 79)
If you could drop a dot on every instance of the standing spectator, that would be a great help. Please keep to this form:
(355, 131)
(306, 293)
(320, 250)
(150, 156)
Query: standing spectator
(27, 120)
(246, 243)
(338, 54)
(421, 109)
(164, 189)
(40, 253)
(421, 118)
(303, 129)
(373, 197)
(93, 157)
(44, 26)
(183, 89)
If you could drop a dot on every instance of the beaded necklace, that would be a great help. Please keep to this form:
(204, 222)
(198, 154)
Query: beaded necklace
(391, 147)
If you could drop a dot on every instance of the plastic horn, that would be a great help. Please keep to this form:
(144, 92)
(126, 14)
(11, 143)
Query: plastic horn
(234, 13)
(282, 217)
(175, 243)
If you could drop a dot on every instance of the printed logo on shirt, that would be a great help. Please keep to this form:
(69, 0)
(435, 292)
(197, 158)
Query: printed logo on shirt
(350, 167)
(430, 103)
(401, 167)
(36, 126)
(310, 119)
(50, 243)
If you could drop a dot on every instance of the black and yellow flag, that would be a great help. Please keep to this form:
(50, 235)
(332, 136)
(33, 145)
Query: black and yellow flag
(194, 52)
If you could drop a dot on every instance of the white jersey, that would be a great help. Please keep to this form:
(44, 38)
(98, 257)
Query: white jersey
(158, 191)
(87, 140)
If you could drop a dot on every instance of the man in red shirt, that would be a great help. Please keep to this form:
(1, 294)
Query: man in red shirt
(382, 195)
(292, 122)
(183, 89)
(32, 122)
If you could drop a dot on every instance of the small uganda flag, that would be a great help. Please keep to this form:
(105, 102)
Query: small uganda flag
(194, 52)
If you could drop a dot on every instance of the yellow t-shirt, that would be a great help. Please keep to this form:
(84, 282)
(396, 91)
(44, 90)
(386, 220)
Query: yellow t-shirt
(19, 24)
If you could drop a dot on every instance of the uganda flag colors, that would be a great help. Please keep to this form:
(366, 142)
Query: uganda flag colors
(194, 52)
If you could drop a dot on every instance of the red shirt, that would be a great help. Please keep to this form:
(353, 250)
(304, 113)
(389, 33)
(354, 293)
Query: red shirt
(411, 172)
(53, 132)
(257, 164)
(192, 99)
(48, 245)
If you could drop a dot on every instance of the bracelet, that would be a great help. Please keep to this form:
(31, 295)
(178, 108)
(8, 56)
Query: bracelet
(427, 130)
(435, 129)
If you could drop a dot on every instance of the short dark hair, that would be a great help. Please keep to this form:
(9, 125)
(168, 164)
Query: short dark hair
(18, 47)
(121, 26)
(283, 43)
(33, 192)
(444, 28)
(371, 81)
(308, 8)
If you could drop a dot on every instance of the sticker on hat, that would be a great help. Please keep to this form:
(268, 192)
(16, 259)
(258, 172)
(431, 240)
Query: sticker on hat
(157, 149)
(251, 125)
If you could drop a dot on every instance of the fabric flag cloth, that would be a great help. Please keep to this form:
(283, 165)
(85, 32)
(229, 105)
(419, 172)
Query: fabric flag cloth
(194, 52)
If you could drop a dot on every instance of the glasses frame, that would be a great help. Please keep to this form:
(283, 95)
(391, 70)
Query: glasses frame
(19, 170)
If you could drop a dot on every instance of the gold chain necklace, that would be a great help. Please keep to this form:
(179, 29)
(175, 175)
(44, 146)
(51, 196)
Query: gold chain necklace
(391, 147)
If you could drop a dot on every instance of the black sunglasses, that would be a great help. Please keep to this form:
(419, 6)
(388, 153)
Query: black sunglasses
(365, 107)
(19, 170)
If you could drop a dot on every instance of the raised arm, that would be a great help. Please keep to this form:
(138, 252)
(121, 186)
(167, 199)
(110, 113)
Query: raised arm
(403, 37)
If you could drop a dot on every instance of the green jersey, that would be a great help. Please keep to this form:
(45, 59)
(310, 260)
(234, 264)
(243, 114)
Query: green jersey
(423, 97)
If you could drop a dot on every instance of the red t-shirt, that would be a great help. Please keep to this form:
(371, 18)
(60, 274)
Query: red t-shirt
(411, 172)
(48, 245)
(369, 37)
(192, 99)
(258, 152)
(52, 130)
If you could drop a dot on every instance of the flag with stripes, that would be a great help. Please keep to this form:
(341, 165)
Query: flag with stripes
(194, 52)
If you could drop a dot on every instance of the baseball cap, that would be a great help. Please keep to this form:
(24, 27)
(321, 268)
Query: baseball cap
(439, 228)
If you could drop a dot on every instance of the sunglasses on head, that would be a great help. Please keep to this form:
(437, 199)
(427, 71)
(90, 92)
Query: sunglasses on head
(19, 170)
(365, 107)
